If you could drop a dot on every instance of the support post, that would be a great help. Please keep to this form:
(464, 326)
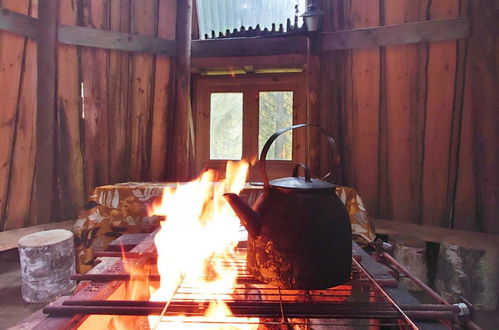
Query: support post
(182, 149)
(45, 113)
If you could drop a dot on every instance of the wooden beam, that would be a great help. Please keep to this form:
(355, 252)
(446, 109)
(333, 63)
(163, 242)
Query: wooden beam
(256, 46)
(85, 36)
(18, 23)
(286, 60)
(9, 238)
(396, 34)
(182, 148)
(45, 118)
(90, 37)
(468, 239)
(349, 39)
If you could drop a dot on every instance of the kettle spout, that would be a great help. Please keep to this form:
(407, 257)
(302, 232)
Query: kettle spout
(249, 218)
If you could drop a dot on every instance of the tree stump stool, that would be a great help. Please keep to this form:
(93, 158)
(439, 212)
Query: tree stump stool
(47, 262)
(469, 273)
(411, 253)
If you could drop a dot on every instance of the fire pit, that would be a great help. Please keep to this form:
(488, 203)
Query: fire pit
(194, 276)
(360, 302)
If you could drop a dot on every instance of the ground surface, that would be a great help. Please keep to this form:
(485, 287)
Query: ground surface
(12, 306)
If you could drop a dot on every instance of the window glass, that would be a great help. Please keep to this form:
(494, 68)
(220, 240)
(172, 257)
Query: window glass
(226, 125)
(276, 112)
(220, 15)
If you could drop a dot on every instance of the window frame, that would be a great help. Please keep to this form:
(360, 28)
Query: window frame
(250, 85)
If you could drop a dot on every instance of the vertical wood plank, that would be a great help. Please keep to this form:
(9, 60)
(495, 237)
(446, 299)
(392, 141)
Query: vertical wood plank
(332, 90)
(183, 149)
(314, 152)
(94, 65)
(195, 23)
(419, 120)
(23, 154)
(362, 113)
(456, 124)
(401, 74)
(327, 89)
(484, 97)
(143, 22)
(441, 76)
(69, 157)
(346, 97)
(163, 92)
(464, 216)
(11, 58)
(119, 75)
(46, 107)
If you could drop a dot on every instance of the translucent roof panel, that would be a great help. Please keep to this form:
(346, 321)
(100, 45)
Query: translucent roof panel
(220, 15)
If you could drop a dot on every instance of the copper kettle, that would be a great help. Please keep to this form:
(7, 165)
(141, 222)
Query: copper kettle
(299, 233)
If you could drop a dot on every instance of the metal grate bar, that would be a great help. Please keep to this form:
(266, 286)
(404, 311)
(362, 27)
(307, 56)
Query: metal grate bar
(361, 300)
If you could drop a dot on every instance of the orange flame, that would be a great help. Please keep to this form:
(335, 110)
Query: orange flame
(137, 288)
(196, 247)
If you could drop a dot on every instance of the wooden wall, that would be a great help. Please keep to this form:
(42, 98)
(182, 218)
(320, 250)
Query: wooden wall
(112, 107)
(18, 57)
(417, 123)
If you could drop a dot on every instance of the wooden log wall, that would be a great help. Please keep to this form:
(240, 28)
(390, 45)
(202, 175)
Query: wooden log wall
(112, 110)
(18, 57)
(416, 122)
(411, 118)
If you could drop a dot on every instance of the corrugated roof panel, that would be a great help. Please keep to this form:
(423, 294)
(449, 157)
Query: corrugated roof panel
(220, 15)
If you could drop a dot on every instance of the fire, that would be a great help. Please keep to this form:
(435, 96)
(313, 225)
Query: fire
(196, 248)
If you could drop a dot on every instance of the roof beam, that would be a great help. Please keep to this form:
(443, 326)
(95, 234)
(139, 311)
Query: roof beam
(90, 37)
(249, 46)
(286, 60)
(396, 34)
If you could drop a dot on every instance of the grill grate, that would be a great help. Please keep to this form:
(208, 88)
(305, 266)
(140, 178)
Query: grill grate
(359, 303)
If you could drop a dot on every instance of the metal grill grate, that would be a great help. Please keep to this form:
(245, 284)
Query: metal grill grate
(361, 303)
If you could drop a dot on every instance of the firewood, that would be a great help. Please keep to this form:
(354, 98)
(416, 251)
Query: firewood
(47, 262)
(411, 252)
(468, 273)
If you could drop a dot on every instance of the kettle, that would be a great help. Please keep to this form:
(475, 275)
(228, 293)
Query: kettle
(299, 232)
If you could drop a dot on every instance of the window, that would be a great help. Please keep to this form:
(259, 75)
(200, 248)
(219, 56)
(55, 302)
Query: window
(220, 15)
(275, 111)
(235, 117)
(226, 125)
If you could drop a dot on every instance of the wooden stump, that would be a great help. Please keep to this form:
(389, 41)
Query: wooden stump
(47, 262)
(469, 273)
(411, 252)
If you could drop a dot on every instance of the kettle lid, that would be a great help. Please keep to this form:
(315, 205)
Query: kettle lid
(300, 182)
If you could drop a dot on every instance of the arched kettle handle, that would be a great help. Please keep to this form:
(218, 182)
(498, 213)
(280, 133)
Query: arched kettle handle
(273, 137)
(305, 169)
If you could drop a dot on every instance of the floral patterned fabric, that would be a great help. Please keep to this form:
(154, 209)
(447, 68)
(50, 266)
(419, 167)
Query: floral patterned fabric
(123, 208)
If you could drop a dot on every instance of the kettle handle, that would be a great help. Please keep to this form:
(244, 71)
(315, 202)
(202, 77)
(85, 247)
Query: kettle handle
(273, 137)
